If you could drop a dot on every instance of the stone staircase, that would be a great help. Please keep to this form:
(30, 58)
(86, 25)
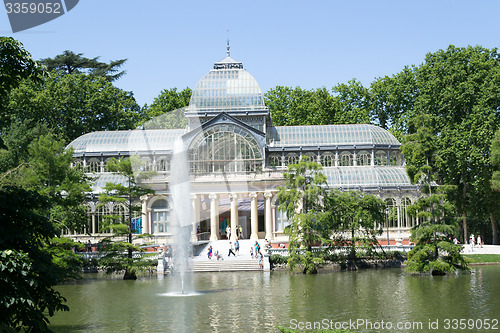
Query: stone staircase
(226, 265)
(242, 262)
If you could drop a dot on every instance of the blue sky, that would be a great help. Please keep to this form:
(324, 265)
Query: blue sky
(310, 44)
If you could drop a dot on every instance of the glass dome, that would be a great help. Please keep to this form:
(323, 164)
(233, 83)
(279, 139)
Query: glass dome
(227, 87)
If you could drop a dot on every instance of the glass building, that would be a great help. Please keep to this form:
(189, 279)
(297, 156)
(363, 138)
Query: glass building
(237, 159)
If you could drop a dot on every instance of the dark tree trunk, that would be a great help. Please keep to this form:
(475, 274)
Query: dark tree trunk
(494, 229)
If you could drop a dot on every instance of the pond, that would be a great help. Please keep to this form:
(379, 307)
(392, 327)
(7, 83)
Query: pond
(385, 300)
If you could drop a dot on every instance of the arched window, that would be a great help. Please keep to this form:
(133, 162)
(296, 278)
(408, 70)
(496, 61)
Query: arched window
(282, 220)
(225, 148)
(274, 160)
(380, 157)
(396, 158)
(93, 165)
(162, 164)
(102, 217)
(147, 163)
(363, 158)
(311, 156)
(392, 212)
(408, 221)
(291, 158)
(327, 160)
(78, 164)
(346, 159)
(160, 216)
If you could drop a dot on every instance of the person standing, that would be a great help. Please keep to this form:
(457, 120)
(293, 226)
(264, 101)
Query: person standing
(241, 231)
(261, 260)
(237, 246)
(479, 243)
(231, 250)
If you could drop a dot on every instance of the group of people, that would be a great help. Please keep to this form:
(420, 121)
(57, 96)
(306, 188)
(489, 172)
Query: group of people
(239, 232)
(255, 252)
(472, 241)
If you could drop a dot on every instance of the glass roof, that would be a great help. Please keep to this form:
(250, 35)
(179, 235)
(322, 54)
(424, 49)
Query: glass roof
(102, 179)
(354, 177)
(228, 87)
(126, 141)
(330, 135)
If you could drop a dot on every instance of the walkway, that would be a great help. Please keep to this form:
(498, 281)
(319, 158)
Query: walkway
(486, 249)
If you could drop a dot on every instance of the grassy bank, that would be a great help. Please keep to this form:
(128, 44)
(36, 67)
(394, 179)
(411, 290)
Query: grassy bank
(483, 258)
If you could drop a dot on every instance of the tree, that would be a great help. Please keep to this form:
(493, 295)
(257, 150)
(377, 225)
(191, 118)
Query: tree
(495, 179)
(295, 106)
(16, 64)
(75, 63)
(27, 270)
(434, 251)
(353, 101)
(167, 110)
(391, 101)
(459, 92)
(128, 193)
(301, 199)
(355, 220)
(73, 105)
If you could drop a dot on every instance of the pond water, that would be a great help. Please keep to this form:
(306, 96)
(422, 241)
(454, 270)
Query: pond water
(258, 302)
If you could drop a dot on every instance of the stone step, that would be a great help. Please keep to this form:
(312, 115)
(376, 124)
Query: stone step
(225, 265)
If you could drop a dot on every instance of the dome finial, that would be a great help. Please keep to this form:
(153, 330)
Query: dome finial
(228, 44)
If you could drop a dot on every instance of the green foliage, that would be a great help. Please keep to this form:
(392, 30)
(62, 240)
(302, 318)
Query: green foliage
(354, 220)
(353, 101)
(295, 106)
(301, 199)
(95, 104)
(27, 269)
(455, 115)
(278, 259)
(346, 104)
(167, 110)
(118, 254)
(392, 99)
(71, 63)
(434, 251)
(16, 64)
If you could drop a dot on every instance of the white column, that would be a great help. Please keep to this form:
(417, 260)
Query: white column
(373, 158)
(195, 204)
(234, 215)
(214, 217)
(254, 216)
(144, 215)
(268, 216)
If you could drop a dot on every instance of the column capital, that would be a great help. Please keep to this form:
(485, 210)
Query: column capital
(253, 195)
(213, 196)
(233, 196)
(268, 195)
(194, 196)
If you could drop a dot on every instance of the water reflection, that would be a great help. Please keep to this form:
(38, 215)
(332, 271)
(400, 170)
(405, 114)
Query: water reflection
(258, 302)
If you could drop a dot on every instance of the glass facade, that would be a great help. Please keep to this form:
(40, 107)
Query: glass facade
(225, 148)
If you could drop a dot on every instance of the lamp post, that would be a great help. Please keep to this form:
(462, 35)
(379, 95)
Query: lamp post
(387, 221)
